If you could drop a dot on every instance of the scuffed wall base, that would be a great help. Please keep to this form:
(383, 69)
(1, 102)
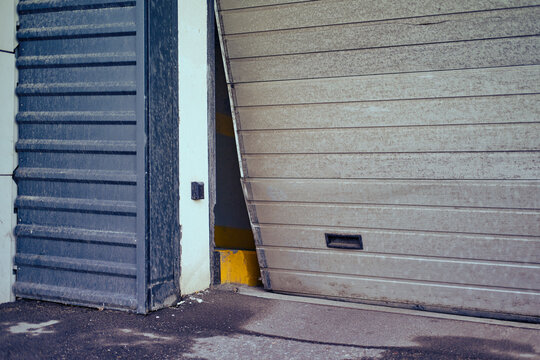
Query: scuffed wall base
(8, 159)
(7, 241)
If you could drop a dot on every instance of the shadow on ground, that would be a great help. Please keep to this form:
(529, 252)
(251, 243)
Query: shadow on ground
(42, 330)
(454, 347)
(223, 325)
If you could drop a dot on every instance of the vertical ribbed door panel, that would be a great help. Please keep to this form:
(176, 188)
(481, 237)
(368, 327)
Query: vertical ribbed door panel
(82, 182)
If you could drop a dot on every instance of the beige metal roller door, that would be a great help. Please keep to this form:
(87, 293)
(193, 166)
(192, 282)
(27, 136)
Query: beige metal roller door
(413, 124)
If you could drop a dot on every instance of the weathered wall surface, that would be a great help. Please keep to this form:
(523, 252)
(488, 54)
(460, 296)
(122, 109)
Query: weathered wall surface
(194, 144)
(413, 124)
(8, 160)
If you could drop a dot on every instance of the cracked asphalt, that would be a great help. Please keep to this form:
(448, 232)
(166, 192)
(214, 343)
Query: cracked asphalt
(221, 324)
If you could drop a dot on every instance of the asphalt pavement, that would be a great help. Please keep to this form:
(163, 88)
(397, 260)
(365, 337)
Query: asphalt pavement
(249, 323)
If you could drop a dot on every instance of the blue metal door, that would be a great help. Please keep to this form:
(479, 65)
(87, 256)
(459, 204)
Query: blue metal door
(88, 126)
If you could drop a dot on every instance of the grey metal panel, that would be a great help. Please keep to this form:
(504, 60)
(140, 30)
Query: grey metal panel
(463, 272)
(318, 13)
(417, 243)
(84, 177)
(452, 83)
(44, 5)
(410, 31)
(472, 300)
(432, 57)
(414, 125)
(424, 218)
(163, 228)
(435, 165)
(463, 110)
(503, 137)
(510, 194)
(239, 4)
(76, 153)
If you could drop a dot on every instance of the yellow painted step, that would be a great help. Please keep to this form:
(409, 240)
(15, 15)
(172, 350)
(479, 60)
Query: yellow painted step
(239, 267)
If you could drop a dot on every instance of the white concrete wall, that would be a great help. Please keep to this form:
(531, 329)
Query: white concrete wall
(8, 160)
(194, 154)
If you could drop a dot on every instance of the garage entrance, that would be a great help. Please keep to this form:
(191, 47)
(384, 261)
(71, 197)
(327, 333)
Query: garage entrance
(235, 259)
(390, 152)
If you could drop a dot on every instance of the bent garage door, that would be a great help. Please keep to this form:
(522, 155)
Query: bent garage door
(389, 150)
(98, 153)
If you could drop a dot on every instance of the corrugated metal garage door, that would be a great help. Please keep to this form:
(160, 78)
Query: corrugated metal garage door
(84, 182)
(413, 124)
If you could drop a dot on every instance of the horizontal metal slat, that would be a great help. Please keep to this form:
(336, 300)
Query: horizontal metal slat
(76, 205)
(73, 295)
(241, 4)
(361, 263)
(126, 58)
(321, 13)
(41, 5)
(447, 111)
(415, 293)
(428, 166)
(100, 176)
(101, 88)
(422, 85)
(83, 161)
(474, 54)
(76, 234)
(515, 137)
(84, 265)
(439, 244)
(413, 218)
(79, 146)
(403, 32)
(77, 31)
(476, 193)
(127, 117)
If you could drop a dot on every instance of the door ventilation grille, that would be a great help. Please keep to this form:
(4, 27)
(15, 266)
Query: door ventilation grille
(353, 242)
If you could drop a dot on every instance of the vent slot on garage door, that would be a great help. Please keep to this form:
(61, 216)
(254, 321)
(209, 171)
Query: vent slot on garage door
(344, 241)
